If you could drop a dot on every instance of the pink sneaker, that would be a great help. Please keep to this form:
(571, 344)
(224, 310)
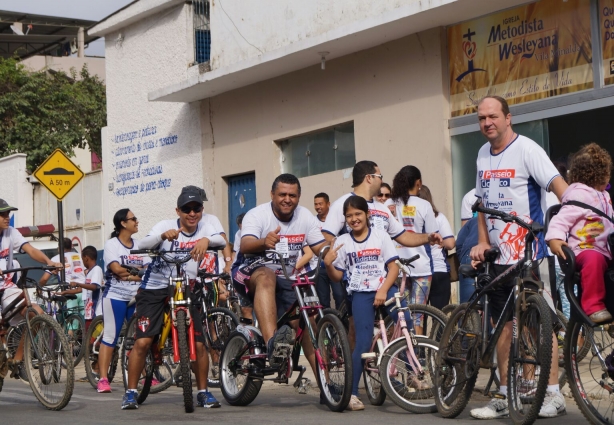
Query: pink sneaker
(154, 382)
(103, 386)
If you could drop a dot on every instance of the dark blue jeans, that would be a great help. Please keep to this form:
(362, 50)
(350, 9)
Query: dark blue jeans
(323, 287)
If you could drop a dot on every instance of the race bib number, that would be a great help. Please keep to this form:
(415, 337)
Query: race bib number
(355, 280)
(282, 247)
(378, 223)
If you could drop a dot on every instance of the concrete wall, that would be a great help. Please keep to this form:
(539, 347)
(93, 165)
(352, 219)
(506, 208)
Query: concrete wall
(16, 190)
(95, 66)
(396, 95)
(150, 150)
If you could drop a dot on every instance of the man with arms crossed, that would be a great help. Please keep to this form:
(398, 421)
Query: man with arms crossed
(513, 176)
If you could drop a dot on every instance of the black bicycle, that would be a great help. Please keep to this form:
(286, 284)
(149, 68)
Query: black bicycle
(466, 345)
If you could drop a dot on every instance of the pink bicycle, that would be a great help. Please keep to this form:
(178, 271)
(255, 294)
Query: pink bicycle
(401, 368)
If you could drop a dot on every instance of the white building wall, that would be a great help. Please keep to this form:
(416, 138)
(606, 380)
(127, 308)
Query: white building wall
(151, 149)
(16, 190)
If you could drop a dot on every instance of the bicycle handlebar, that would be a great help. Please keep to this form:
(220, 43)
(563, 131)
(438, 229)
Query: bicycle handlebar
(508, 218)
(166, 256)
(23, 269)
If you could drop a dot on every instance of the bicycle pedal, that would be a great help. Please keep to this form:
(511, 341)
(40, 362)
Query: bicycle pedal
(365, 356)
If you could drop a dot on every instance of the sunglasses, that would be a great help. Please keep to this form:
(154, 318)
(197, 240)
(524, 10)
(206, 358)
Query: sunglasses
(383, 195)
(5, 214)
(132, 219)
(187, 209)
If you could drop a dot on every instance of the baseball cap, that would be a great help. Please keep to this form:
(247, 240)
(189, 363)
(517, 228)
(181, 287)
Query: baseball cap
(190, 194)
(4, 206)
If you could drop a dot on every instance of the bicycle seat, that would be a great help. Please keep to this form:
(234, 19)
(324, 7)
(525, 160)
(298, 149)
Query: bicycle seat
(491, 254)
(468, 271)
(59, 298)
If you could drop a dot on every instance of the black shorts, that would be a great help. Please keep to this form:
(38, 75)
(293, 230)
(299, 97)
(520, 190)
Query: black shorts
(150, 306)
(498, 298)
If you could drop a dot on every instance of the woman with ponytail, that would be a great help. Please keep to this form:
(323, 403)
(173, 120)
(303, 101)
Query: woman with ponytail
(120, 287)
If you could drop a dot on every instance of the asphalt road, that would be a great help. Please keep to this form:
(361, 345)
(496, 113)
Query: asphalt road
(276, 404)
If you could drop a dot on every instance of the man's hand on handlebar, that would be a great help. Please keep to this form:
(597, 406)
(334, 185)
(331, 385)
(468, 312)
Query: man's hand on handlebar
(272, 238)
(58, 267)
(477, 252)
(200, 249)
(556, 246)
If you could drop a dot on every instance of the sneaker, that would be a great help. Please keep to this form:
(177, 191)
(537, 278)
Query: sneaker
(554, 405)
(23, 375)
(129, 400)
(206, 399)
(601, 316)
(283, 336)
(355, 404)
(496, 408)
(103, 386)
(417, 384)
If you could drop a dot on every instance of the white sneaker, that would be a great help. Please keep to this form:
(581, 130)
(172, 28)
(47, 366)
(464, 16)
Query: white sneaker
(355, 404)
(554, 404)
(496, 408)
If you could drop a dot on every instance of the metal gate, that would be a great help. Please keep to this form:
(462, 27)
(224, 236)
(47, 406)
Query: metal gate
(241, 198)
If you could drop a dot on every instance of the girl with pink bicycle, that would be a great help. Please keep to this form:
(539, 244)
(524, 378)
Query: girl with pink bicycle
(368, 256)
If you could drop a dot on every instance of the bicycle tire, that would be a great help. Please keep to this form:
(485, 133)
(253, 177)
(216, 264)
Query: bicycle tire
(395, 364)
(586, 370)
(525, 402)
(163, 373)
(146, 386)
(371, 379)
(76, 324)
(221, 322)
(334, 347)
(89, 357)
(184, 361)
(238, 389)
(435, 319)
(454, 381)
(52, 388)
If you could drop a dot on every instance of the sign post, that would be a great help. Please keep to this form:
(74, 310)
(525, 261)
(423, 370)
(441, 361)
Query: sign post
(58, 174)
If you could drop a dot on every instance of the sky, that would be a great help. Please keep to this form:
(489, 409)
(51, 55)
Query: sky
(94, 10)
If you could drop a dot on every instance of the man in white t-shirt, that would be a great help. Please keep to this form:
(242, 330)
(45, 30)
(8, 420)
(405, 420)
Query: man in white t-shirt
(466, 204)
(11, 240)
(284, 226)
(513, 175)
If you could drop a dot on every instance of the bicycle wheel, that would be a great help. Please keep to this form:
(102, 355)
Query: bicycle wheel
(91, 347)
(220, 323)
(238, 387)
(371, 378)
(530, 361)
(408, 389)
(434, 319)
(45, 356)
(162, 377)
(74, 328)
(591, 381)
(184, 361)
(458, 361)
(334, 363)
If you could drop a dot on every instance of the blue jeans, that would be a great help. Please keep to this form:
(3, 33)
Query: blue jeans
(323, 287)
(466, 287)
(560, 287)
(364, 319)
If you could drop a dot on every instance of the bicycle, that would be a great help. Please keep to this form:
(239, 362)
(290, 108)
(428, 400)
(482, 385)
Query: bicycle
(243, 366)
(392, 367)
(588, 348)
(46, 352)
(177, 323)
(467, 345)
(218, 323)
(70, 319)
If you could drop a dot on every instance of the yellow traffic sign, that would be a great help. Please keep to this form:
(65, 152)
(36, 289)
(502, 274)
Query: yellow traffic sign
(58, 174)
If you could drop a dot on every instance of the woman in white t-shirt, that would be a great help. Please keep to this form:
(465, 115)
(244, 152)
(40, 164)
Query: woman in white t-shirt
(368, 257)
(439, 296)
(416, 215)
(120, 287)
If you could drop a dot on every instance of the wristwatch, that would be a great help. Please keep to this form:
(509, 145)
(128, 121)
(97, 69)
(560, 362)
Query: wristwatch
(227, 259)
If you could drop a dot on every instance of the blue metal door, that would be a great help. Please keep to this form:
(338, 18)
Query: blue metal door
(241, 198)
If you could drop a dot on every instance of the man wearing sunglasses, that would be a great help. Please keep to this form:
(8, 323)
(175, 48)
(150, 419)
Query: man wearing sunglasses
(187, 232)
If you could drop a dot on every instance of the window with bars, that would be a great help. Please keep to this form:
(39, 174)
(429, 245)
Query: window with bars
(202, 31)
(319, 152)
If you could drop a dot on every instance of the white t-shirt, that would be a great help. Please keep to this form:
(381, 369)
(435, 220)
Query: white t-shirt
(379, 217)
(10, 240)
(365, 262)
(73, 266)
(236, 247)
(417, 216)
(468, 201)
(214, 222)
(302, 229)
(158, 271)
(437, 251)
(91, 299)
(116, 252)
(514, 181)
